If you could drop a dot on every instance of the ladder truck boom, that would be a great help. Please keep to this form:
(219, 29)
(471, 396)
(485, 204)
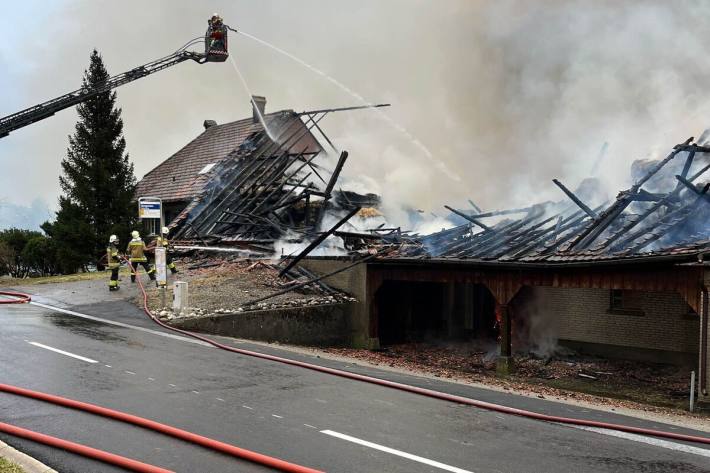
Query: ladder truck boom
(215, 51)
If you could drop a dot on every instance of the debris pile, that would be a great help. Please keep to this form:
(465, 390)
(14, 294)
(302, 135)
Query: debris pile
(227, 285)
(267, 190)
(665, 212)
(566, 376)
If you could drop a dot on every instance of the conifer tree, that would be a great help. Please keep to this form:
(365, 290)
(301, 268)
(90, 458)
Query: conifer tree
(97, 181)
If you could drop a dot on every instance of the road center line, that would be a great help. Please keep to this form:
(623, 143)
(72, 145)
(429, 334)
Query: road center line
(62, 352)
(121, 324)
(399, 453)
(679, 447)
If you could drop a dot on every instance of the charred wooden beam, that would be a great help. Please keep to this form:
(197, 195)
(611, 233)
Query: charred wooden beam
(496, 213)
(575, 199)
(336, 173)
(314, 244)
(475, 207)
(468, 217)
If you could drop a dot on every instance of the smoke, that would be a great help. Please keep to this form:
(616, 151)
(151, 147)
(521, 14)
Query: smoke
(535, 324)
(507, 95)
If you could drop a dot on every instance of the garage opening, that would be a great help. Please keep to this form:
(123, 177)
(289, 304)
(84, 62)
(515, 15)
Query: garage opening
(429, 311)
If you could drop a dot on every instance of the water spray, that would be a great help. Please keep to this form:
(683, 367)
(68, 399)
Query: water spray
(251, 98)
(437, 163)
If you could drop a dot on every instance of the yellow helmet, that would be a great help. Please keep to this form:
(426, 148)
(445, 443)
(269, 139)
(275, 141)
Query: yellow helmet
(165, 231)
(135, 234)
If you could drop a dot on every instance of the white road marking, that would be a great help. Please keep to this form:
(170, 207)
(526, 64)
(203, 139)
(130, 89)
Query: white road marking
(310, 426)
(121, 324)
(128, 372)
(62, 352)
(656, 442)
(108, 366)
(196, 392)
(278, 417)
(151, 379)
(399, 453)
(220, 399)
(247, 407)
(172, 385)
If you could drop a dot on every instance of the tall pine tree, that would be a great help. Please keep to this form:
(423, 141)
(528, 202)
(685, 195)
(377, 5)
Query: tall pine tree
(97, 181)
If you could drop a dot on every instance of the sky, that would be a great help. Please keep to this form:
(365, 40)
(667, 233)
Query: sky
(504, 95)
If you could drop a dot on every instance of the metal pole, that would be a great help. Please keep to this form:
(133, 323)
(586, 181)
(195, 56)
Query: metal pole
(692, 390)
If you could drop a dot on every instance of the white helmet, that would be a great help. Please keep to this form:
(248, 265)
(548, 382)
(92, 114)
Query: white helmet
(165, 230)
(135, 234)
(113, 239)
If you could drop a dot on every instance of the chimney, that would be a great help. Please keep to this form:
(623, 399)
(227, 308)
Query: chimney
(209, 124)
(259, 102)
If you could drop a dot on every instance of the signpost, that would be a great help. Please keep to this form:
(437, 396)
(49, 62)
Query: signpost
(152, 207)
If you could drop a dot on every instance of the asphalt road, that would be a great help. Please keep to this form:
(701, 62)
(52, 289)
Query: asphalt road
(298, 415)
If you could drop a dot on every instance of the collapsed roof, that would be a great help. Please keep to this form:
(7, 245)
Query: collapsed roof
(663, 213)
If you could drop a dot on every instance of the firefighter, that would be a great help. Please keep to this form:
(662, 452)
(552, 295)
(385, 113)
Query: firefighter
(114, 262)
(136, 254)
(162, 240)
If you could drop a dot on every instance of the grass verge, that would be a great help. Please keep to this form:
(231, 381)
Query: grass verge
(7, 466)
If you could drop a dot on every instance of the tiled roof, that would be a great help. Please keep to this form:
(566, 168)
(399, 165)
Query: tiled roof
(178, 179)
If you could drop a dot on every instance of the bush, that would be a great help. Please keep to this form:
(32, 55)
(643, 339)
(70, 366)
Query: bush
(40, 255)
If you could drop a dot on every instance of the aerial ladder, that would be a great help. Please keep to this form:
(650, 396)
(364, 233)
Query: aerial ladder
(216, 50)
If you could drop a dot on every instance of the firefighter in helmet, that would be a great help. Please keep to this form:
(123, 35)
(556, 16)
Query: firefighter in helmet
(113, 262)
(136, 255)
(162, 241)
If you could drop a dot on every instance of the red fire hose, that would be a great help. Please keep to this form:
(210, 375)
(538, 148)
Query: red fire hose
(19, 298)
(158, 427)
(80, 449)
(429, 392)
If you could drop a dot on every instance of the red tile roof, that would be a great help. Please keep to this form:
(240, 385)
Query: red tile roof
(177, 178)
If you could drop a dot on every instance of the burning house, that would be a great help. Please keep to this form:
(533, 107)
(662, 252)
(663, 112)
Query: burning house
(622, 278)
(625, 278)
(240, 183)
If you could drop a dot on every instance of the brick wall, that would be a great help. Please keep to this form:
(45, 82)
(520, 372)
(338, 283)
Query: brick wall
(582, 315)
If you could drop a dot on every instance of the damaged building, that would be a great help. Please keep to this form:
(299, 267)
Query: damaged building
(241, 184)
(620, 278)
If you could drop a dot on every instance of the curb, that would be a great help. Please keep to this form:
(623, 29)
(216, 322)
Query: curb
(29, 464)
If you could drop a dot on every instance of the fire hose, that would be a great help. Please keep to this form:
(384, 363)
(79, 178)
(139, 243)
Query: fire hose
(19, 298)
(83, 450)
(428, 392)
(118, 460)
(157, 427)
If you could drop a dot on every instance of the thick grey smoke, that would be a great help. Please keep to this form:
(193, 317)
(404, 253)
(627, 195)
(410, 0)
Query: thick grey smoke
(507, 94)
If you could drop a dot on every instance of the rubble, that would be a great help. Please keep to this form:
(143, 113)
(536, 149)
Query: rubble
(618, 382)
(226, 285)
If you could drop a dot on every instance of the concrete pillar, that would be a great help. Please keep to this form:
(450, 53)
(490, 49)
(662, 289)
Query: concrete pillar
(704, 354)
(504, 364)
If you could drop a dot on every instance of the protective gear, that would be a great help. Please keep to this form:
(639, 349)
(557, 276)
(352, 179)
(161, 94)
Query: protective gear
(165, 231)
(113, 263)
(112, 257)
(165, 243)
(136, 252)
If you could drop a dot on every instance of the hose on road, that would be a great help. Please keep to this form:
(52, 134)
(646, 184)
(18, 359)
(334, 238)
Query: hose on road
(83, 450)
(429, 392)
(18, 297)
(207, 442)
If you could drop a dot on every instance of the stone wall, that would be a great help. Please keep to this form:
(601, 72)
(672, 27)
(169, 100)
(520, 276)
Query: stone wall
(325, 325)
(354, 282)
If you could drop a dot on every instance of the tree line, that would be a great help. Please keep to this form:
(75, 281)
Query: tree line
(98, 185)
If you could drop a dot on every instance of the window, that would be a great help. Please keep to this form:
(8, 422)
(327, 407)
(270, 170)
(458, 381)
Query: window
(624, 302)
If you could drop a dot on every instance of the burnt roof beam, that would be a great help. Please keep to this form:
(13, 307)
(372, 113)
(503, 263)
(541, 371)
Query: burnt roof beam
(469, 218)
(575, 199)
